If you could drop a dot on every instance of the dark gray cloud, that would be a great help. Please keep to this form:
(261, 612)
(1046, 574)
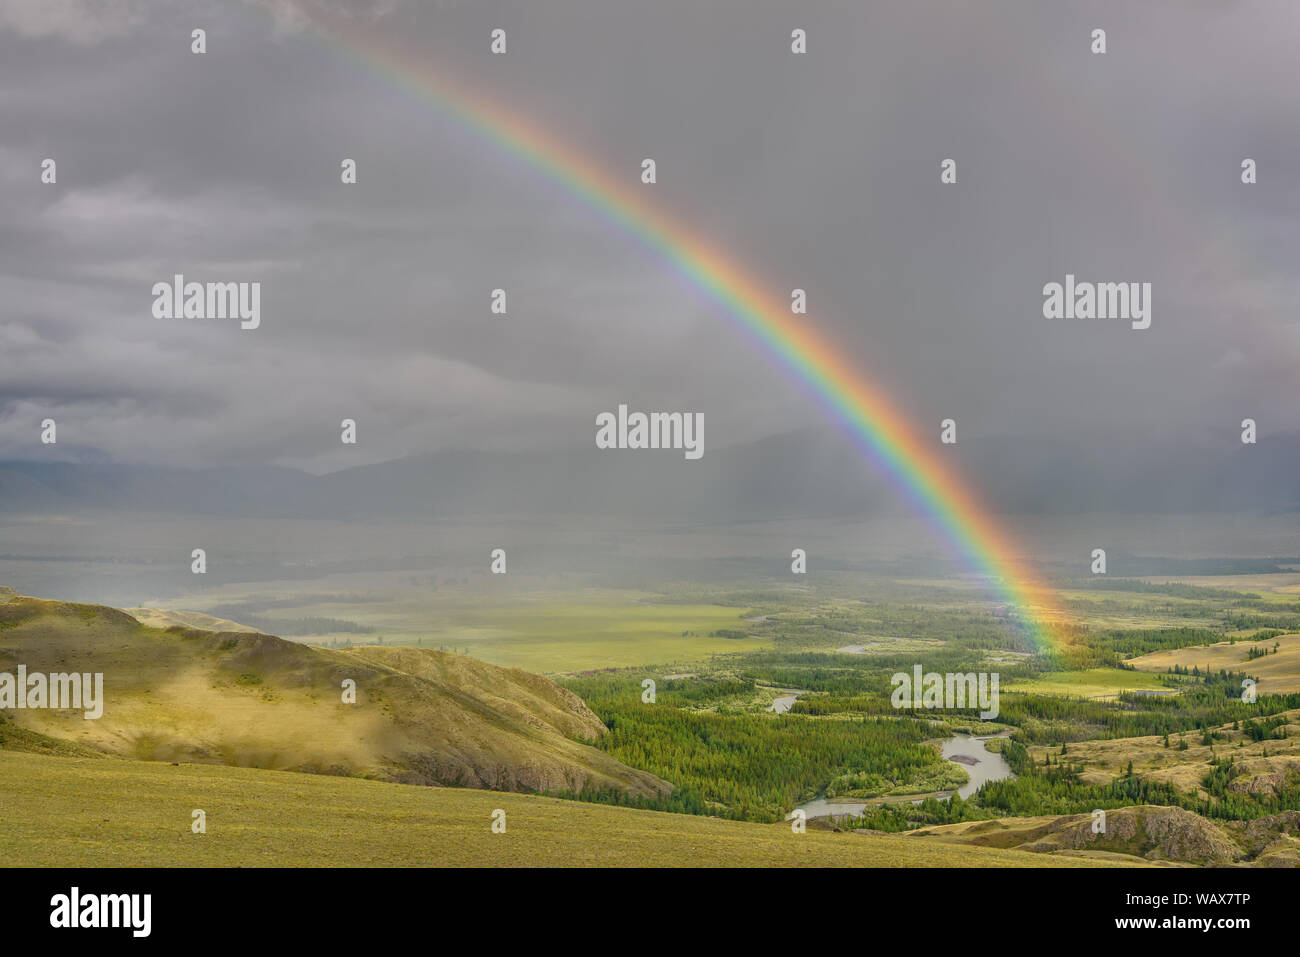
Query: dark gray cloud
(818, 171)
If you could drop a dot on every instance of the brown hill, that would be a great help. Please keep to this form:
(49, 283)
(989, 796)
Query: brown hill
(1150, 832)
(254, 700)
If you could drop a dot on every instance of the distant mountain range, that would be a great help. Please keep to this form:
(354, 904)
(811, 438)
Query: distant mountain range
(798, 474)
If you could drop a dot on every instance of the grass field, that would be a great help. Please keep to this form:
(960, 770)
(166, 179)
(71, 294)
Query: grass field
(542, 633)
(105, 812)
(553, 636)
(1271, 587)
(1090, 683)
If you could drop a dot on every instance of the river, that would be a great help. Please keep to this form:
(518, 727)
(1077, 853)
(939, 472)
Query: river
(785, 700)
(981, 764)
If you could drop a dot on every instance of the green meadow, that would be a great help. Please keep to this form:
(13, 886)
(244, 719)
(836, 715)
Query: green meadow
(539, 632)
(610, 632)
(1088, 683)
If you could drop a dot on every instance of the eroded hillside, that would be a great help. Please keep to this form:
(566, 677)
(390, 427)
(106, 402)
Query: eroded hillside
(254, 700)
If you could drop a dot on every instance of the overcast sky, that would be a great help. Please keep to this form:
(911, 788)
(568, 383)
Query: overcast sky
(819, 171)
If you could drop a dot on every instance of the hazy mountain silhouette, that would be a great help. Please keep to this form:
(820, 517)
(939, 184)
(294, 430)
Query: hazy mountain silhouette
(797, 474)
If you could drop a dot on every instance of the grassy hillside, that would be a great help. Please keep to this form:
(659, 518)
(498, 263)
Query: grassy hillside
(1265, 764)
(253, 700)
(1276, 673)
(162, 618)
(57, 811)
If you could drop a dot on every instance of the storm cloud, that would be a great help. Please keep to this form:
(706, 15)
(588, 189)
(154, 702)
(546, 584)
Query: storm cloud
(818, 171)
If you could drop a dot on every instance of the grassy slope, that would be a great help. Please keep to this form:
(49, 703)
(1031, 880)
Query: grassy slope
(1261, 766)
(1277, 673)
(161, 618)
(421, 716)
(60, 811)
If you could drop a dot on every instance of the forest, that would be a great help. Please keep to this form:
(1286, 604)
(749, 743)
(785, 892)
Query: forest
(711, 732)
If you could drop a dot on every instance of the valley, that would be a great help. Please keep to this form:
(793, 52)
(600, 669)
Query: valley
(1142, 719)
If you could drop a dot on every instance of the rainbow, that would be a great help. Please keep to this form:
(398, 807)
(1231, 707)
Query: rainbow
(862, 409)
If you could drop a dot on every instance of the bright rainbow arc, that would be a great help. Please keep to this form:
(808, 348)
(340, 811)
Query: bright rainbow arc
(867, 414)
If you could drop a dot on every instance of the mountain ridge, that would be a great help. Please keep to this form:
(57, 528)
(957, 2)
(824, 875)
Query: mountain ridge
(803, 473)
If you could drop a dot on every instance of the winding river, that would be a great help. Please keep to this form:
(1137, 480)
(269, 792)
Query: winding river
(981, 764)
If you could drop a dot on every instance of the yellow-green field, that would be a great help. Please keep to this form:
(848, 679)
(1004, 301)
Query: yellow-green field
(542, 633)
(551, 636)
(1271, 587)
(1090, 683)
(58, 811)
